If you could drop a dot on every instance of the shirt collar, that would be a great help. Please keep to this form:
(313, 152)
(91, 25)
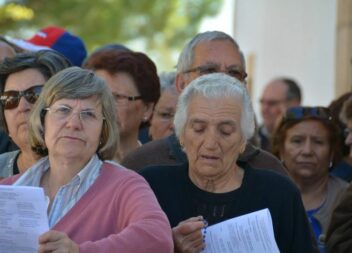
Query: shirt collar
(33, 175)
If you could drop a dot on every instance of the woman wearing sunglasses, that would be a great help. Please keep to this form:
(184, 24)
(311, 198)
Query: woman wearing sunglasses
(307, 142)
(21, 81)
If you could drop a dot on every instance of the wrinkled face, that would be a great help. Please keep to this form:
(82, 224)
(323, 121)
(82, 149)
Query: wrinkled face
(73, 128)
(163, 115)
(16, 118)
(130, 114)
(306, 152)
(273, 104)
(212, 136)
(217, 55)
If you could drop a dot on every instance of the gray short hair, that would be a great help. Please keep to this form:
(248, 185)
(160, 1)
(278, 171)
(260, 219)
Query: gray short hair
(217, 85)
(186, 57)
(167, 81)
(293, 89)
(75, 83)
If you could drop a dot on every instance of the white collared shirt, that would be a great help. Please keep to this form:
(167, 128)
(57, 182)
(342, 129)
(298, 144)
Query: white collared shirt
(68, 195)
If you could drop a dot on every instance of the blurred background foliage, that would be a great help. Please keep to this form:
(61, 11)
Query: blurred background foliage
(159, 28)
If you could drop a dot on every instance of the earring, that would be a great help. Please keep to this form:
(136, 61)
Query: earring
(145, 119)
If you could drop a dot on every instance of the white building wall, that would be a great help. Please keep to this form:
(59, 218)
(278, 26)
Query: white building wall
(294, 38)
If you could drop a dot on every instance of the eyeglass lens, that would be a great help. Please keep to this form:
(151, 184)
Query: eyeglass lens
(213, 68)
(10, 99)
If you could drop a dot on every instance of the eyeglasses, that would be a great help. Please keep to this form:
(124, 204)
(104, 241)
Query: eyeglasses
(270, 103)
(11, 98)
(307, 112)
(121, 99)
(64, 113)
(235, 72)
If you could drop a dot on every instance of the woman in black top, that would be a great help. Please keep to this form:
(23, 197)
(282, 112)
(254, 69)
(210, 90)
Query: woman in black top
(213, 121)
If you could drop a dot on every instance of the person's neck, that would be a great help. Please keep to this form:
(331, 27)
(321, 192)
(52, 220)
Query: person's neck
(26, 159)
(269, 129)
(313, 192)
(60, 173)
(63, 169)
(230, 181)
(127, 144)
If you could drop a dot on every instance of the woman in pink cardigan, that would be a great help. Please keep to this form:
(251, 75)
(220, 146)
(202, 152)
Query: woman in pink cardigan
(93, 205)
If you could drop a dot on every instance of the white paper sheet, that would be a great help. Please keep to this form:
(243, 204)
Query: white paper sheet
(23, 217)
(250, 233)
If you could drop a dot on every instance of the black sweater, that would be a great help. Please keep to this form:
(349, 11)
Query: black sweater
(181, 199)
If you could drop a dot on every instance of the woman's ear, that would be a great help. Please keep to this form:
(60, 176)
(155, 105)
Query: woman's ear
(242, 146)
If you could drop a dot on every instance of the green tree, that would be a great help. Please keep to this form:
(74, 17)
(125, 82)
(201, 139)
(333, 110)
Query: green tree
(158, 27)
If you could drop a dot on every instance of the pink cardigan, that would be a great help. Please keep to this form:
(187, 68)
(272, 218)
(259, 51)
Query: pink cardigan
(119, 213)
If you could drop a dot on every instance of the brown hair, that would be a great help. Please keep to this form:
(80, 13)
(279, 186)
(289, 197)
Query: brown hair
(138, 65)
(336, 108)
(346, 111)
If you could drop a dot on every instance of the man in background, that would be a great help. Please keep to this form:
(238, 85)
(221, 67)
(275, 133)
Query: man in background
(206, 53)
(278, 95)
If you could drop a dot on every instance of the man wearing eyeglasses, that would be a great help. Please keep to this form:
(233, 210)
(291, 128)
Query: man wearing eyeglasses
(278, 95)
(206, 53)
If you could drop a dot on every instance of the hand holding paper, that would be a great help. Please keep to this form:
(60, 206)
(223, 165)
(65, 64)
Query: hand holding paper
(188, 236)
(250, 233)
(23, 218)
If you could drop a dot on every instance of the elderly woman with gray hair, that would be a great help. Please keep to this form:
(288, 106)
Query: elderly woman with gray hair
(94, 205)
(213, 121)
(161, 124)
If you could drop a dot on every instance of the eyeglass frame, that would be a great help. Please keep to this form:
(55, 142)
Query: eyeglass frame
(120, 97)
(19, 95)
(72, 113)
(216, 67)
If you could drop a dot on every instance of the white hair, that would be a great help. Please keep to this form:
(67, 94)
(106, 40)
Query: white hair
(167, 82)
(217, 85)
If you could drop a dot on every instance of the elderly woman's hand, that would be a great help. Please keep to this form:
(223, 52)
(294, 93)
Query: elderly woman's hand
(56, 242)
(187, 235)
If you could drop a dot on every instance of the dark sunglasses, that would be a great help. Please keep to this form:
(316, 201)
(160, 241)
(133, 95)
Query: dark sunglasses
(11, 98)
(301, 112)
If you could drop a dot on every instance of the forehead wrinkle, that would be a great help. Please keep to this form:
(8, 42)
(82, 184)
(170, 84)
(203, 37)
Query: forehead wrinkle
(234, 66)
(78, 103)
(210, 63)
(196, 120)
